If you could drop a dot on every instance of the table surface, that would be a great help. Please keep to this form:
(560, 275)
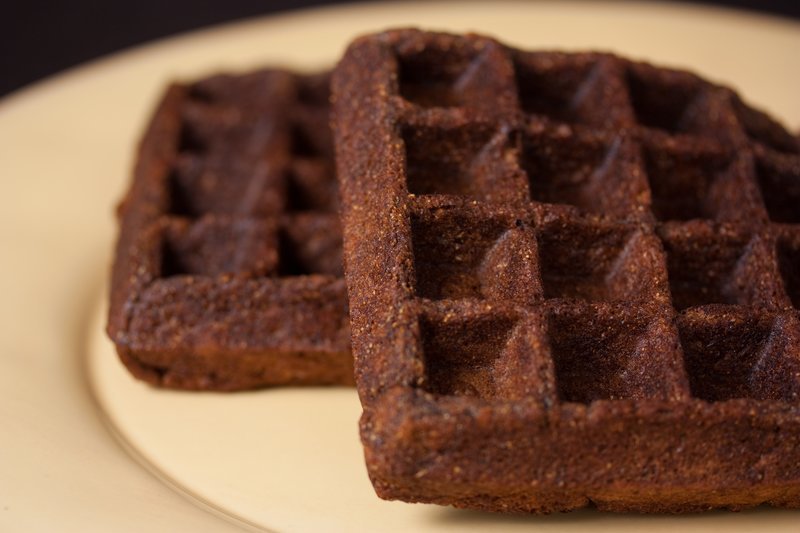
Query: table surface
(49, 36)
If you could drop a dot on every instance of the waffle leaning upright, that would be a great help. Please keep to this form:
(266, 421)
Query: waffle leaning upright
(573, 279)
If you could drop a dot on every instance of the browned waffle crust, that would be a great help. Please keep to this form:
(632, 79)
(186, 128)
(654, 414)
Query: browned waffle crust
(573, 279)
(228, 267)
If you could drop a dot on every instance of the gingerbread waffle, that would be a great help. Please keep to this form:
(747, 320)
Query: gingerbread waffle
(228, 273)
(574, 280)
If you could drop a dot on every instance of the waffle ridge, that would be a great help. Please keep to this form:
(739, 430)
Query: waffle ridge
(227, 273)
(573, 279)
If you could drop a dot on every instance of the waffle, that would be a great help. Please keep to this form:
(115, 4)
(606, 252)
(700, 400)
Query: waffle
(574, 280)
(227, 272)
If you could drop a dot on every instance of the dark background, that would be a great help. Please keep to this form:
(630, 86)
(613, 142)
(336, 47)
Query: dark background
(39, 38)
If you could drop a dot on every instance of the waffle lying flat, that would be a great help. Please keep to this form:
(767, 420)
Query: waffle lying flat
(573, 279)
(228, 267)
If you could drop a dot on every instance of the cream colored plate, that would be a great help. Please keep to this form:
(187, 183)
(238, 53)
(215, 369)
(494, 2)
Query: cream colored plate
(285, 460)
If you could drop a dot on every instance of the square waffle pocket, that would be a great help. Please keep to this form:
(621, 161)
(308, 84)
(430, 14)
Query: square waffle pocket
(228, 271)
(574, 279)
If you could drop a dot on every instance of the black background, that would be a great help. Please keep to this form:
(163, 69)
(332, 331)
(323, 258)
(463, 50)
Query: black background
(39, 38)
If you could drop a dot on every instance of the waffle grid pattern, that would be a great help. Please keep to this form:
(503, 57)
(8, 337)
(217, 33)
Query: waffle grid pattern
(568, 229)
(229, 257)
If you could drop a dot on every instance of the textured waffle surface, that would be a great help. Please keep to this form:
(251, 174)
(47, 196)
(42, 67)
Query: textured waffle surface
(228, 272)
(573, 279)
